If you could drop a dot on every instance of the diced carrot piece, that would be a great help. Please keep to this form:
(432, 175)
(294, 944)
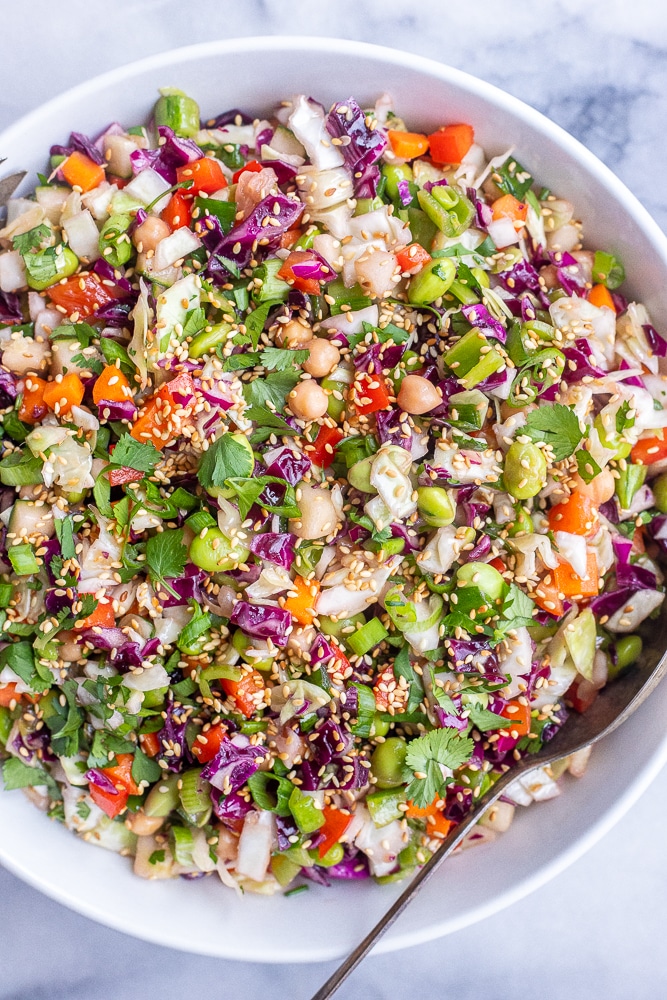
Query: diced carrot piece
(8, 695)
(33, 408)
(572, 585)
(82, 172)
(600, 295)
(407, 145)
(113, 385)
(451, 143)
(546, 597)
(509, 207)
(62, 396)
(301, 606)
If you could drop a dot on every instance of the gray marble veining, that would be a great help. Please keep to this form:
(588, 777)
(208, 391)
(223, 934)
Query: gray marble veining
(599, 69)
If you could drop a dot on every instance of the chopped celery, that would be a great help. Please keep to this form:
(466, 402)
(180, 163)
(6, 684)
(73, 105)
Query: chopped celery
(23, 559)
(268, 286)
(472, 358)
(367, 637)
(177, 111)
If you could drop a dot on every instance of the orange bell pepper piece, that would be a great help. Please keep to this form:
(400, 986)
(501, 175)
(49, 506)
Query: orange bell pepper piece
(206, 176)
(412, 258)
(121, 777)
(649, 450)
(518, 716)
(436, 823)
(150, 744)
(82, 172)
(158, 420)
(384, 679)
(207, 744)
(576, 515)
(336, 823)
(33, 408)
(103, 616)
(112, 385)
(248, 693)
(301, 605)
(509, 207)
(61, 396)
(600, 295)
(572, 585)
(177, 213)
(84, 294)
(451, 143)
(407, 145)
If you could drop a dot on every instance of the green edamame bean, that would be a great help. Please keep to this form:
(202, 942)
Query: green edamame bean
(435, 506)
(523, 525)
(333, 856)
(432, 281)
(481, 575)
(163, 797)
(155, 698)
(215, 552)
(388, 762)
(525, 471)
(379, 726)
(659, 488)
(627, 650)
(359, 475)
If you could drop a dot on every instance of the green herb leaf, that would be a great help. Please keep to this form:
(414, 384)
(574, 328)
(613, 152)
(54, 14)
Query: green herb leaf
(195, 320)
(555, 425)
(587, 466)
(516, 612)
(225, 459)
(83, 332)
(426, 755)
(32, 240)
(249, 490)
(403, 668)
(65, 535)
(157, 857)
(139, 455)
(272, 389)
(254, 321)
(166, 555)
(105, 743)
(20, 658)
(277, 359)
(512, 178)
(145, 768)
(267, 423)
(113, 351)
(16, 774)
(485, 721)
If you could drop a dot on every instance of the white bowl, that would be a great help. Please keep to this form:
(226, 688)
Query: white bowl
(203, 916)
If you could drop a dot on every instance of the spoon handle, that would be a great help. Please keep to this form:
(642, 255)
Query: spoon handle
(423, 875)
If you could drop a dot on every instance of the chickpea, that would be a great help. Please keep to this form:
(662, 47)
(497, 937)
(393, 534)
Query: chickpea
(151, 231)
(143, 825)
(308, 400)
(418, 395)
(294, 334)
(600, 489)
(324, 356)
(318, 514)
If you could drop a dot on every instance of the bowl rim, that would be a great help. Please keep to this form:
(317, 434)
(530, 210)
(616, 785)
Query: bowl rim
(396, 938)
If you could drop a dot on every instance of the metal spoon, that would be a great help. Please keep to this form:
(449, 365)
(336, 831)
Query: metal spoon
(612, 707)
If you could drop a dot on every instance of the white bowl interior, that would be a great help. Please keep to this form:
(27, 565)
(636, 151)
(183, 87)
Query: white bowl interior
(203, 916)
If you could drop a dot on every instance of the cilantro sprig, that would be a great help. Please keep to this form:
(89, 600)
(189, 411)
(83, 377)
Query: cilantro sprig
(426, 758)
(555, 425)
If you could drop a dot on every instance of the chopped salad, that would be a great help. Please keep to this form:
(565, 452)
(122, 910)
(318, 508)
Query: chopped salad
(332, 480)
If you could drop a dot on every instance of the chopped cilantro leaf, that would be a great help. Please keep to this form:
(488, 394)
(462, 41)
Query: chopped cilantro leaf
(557, 426)
(279, 360)
(166, 555)
(427, 755)
(225, 459)
(32, 240)
(139, 455)
(16, 774)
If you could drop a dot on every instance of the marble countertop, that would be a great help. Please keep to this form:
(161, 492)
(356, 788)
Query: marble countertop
(599, 69)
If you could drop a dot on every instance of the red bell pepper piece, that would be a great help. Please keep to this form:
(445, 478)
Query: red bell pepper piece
(206, 745)
(177, 213)
(336, 823)
(321, 451)
(370, 393)
(120, 776)
(252, 165)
